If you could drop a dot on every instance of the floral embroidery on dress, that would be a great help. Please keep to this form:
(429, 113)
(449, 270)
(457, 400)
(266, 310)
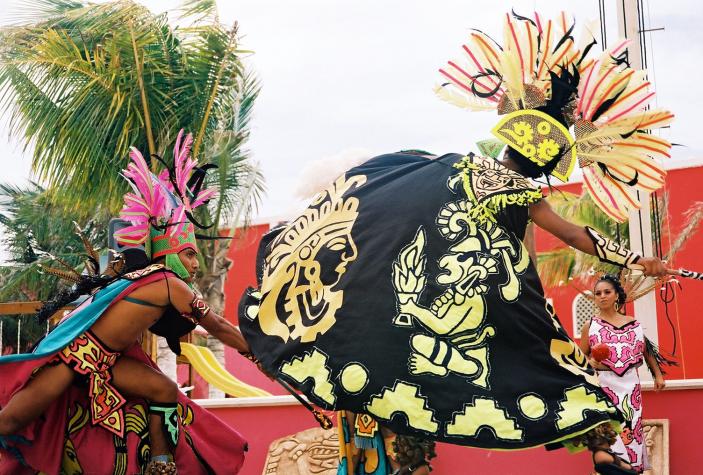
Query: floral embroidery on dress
(636, 398)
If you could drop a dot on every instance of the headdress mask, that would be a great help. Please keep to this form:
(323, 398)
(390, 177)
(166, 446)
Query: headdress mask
(543, 84)
(159, 209)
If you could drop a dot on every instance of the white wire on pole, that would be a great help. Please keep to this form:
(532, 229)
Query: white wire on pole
(19, 329)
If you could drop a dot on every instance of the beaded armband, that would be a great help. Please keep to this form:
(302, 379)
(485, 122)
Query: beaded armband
(199, 309)
(612, 252)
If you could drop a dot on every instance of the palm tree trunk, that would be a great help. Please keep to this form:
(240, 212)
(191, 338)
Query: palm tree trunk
(213, 288)
(218, 349)
(166, 359)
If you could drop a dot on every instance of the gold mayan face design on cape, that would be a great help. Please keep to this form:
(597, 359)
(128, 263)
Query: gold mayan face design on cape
(300, 303)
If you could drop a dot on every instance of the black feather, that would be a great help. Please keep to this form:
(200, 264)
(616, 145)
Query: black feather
(653, 350)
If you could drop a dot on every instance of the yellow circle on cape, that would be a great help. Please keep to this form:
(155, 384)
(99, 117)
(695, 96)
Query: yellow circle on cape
(532, 406)
(354, 377)
(544, 127)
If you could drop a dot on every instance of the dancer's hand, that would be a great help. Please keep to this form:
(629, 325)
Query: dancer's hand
(659, 383)
(652, 266)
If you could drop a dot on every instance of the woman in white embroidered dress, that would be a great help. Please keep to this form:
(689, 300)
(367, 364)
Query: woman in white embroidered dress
(615, 343)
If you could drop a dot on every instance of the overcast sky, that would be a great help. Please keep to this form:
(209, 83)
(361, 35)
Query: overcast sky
(342, 75)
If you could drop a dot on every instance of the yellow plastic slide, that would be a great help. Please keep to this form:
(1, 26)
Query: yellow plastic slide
(204, 362)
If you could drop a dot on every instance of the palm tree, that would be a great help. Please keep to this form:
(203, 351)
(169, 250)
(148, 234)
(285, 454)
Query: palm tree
(563, 265)
(37, 231)
(82, 82)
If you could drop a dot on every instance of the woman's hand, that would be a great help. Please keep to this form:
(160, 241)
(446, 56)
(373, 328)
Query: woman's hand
(595, 364)
(659, 382)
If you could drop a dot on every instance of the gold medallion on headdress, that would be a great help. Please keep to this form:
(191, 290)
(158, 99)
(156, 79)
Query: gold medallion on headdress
(540, 138)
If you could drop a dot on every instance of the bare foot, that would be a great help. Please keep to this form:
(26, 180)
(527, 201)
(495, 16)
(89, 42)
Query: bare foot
(418, 364)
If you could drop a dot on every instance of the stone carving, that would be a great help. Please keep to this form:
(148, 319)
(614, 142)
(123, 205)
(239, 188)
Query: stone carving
(310, 452)
(656, 442)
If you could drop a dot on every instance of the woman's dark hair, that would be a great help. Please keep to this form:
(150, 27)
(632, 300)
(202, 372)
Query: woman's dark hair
(596, 437)
(615, 282)
(413, 451)
(530, 169)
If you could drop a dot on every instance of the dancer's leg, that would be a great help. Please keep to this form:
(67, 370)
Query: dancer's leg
(31, 401)
(137, 379)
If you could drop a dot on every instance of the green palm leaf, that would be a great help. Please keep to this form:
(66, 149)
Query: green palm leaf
(84, 82)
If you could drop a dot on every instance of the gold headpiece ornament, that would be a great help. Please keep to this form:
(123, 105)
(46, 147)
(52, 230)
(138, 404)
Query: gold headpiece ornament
(540, 138)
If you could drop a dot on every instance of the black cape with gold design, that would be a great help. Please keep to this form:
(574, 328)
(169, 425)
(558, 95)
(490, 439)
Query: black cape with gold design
(404, 291)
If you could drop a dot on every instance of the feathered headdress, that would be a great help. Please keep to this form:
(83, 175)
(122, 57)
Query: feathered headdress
(159, 209)
(544, 84)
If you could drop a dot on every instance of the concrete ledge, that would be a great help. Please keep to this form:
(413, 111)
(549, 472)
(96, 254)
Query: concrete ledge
(267, 401)
(675, 384)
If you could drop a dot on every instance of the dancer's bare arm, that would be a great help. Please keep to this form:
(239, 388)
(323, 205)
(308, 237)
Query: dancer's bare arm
(577, 237)
(216, 325)
(654, 368)
(584, 344)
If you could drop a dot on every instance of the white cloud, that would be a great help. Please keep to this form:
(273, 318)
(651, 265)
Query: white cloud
(316, 175)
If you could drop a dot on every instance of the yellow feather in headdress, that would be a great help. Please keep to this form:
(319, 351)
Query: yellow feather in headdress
(62, 274)
(608, 194)
(449, 93)
(510, 66)
(645, 120)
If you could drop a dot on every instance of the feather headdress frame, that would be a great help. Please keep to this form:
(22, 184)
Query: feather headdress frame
(612, 136)
(159, 208)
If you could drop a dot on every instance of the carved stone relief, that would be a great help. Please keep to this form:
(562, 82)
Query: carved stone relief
(310, 452)
(315, 451)
(656, 441)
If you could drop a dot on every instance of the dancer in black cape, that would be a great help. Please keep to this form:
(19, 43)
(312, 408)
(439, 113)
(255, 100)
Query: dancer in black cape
(404, 292)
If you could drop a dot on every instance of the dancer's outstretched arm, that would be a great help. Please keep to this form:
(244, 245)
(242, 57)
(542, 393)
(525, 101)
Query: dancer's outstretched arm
(188, 303)
(589, 241)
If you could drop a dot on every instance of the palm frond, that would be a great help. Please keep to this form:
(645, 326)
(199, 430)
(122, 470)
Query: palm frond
(575, 268)
(76, 82)
(555, 267)
(38, 232)
(567, 266)
(199, 10)
(82, 82)
(692, 218)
